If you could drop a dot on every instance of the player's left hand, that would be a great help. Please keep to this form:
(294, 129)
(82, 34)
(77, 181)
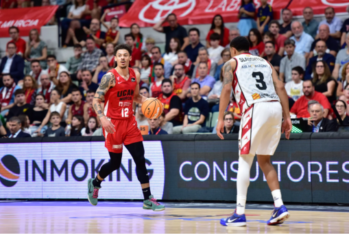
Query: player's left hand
(220, 129)
(286, 127)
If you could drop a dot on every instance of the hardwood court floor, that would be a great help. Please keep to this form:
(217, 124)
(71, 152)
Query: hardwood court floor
(80, 217)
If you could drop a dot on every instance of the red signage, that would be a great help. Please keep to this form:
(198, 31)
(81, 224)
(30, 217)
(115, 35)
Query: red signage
(25, 19)
(117, 12)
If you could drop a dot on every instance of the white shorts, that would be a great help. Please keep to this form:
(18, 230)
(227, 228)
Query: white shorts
(260, 129)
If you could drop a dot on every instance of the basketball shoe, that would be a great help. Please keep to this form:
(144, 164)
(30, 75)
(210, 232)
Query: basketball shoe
(279, 215)
(92, 192)
(152, 204)
(235, 220)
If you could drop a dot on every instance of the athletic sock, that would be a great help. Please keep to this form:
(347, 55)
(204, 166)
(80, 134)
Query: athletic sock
(146, 193)
(277, 198)
(240, 205)
(96, 182)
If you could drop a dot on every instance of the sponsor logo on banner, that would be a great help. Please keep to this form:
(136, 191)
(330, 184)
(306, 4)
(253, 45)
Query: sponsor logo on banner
(61, 170)
(335, 2)
(256, 96)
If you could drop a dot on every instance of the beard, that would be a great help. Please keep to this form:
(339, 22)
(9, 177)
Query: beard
(167, 94)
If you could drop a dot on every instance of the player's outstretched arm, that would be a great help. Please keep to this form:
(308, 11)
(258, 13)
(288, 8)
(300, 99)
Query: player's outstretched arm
(281, 91)
(225, 94)
(137, 97)
(108, 81)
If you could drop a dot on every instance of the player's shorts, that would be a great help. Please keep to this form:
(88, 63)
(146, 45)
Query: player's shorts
(126, 132)
(260, 129)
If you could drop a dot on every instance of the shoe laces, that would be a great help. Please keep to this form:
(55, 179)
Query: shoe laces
(95, 193)
(153, 200)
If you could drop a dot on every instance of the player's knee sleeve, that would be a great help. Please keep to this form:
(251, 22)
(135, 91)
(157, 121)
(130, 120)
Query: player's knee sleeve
(113, 164)
(243, 177)
(137, 152)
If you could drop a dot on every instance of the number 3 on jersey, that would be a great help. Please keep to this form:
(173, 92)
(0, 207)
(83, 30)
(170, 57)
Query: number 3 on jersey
(124, 112)
(261, 84)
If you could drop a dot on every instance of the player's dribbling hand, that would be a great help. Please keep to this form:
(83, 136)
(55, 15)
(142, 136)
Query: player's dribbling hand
(286, 127)
(107, 125)
(220, 129)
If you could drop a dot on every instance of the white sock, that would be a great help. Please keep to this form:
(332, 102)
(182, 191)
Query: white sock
(243, 181)
(277, 198)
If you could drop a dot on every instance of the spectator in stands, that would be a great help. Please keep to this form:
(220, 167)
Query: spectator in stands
(309, 24)
(74, 61)
(20, 106)
(341, 107)
(173, 30)
(256, 42)
(186, 62)
(15, 125)
(65, 87)
(217, 26)
(171, 54)
(229, 127)
(110, 55)
(54, 69)
(215, 50)
(155, 127)
(203, 58)
(138, 41)
(344, 80)
(90, 58)
(341, 59)
(172, 103)
(88, 109)
(317, 121)
(166, 126)
(320, 49)
(19, 42)
(30, 87)
(345, 30)
(136, 53)
(264, 16)
(334, 23)
(268, 36)
(294, 88)
(155, 86)
(8, 4)
(345, 96)
(94, 32)
(323, 81)
(300, 107)
(246, 15)
(7, 93)
(87, 83)
(146, 68)
(77, 124)
(196, 111)
(36, 71)
(36, 48)
(46, 87)
(156, 58)
(225, 54)
(56, 106)
(303, 40)
(206, 81)
(180, 81)
(149, 44)
(271, 55)
(234, 32)
(25, 123)
(112, 35)
(101, 70)
(90, 128)
(285, 27)
(37, 113)
(192, 50)
(274, 28)
(291, 60)
(12, 64)
(77, 108)
(331, 43)
(214, 94)
(56, 130)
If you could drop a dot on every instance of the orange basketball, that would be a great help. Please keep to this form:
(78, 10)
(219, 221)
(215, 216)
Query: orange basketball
(152, 108)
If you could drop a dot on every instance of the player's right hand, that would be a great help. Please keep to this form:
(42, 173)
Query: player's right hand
(107, 125)
(220, 129)
(286, 127)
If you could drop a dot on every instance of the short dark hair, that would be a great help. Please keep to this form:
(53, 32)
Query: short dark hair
(202, 63)
(123, 47)
(15, 119)
(57, 90)
(156, 47)
(215, 37)
(178, 64)
(54, 113)
(85, 70)
(114, 18)
(309, 81)
(13, 27)
(299, 70)
(90, 91)
(195, 83)
(129, 35)
(75, 90)
(286, 9)
(274, 22)
(19, 91)
(194, 29)
(166, 81)
(90, 38)
(35, 61)
(144, 87)
(270, 42)
(159, 64)
(171, 14)
(182, 52)
(77, 46)
(51, 56)
(240, 43)
(40, 94)
(289, 42)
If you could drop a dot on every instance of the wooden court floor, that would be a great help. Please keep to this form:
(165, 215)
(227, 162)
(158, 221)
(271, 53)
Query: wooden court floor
(33, 218)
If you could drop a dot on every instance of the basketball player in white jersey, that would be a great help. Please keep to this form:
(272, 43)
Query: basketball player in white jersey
(258, 92)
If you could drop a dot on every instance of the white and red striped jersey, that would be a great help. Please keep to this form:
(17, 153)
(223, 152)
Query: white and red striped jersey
(253, 81)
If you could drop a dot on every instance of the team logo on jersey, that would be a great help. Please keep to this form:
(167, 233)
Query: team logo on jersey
(133, 79)
(256, 96)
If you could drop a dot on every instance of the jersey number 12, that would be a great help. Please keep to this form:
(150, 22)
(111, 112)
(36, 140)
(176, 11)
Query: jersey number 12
(261, 84)
(124, 112)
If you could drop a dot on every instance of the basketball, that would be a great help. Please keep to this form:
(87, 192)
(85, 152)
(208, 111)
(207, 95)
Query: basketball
(152, 108)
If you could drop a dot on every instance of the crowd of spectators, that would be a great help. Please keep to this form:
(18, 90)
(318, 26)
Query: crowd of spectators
(41, 97)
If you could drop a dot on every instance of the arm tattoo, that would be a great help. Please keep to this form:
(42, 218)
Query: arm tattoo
(227, 74)
(108, 80)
